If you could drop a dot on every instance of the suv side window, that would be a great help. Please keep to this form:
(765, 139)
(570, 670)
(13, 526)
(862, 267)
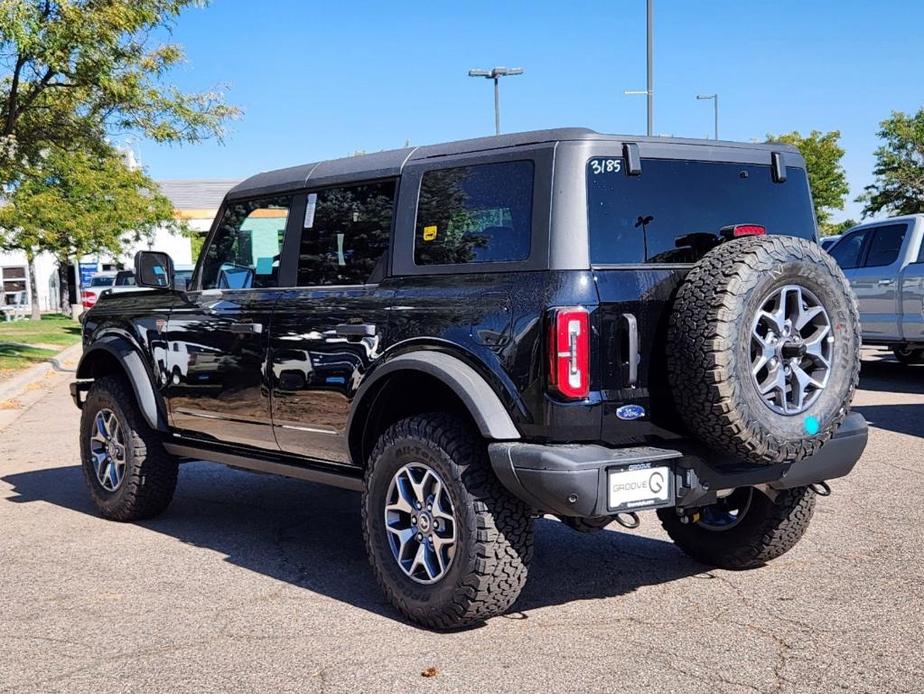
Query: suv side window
(847, 251)
(345, 235)
(885, 245)
(475, 214)
(245, 250)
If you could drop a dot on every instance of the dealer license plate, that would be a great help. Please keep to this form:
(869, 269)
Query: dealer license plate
(636, 488)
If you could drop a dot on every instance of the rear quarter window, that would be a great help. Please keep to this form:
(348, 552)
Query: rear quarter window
(475, 214)
(667, 213)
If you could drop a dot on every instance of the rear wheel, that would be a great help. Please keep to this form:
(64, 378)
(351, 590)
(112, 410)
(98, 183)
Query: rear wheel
(448, 545)
(907, 354)
(745, 529)
(129, 474)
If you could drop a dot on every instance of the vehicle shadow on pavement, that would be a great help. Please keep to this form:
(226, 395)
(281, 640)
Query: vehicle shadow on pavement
(310, 536)
(907, 418)
(890, 376)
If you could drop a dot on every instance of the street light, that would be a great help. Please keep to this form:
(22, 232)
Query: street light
(649, 92)
(715, 104)
(495, 74)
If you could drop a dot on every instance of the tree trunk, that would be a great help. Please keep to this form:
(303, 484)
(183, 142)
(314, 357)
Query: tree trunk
(64, 295)
(33, 287)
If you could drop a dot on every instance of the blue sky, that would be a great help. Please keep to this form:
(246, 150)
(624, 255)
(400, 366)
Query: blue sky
(322, 80)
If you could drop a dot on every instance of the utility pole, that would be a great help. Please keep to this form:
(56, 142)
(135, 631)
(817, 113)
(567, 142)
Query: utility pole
(715, 99)
(650, 87)
(495, 74)
(649, 92)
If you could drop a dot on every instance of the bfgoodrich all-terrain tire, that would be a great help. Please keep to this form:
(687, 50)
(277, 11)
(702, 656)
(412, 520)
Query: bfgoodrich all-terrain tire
(129, 474)
(745, 531)
(448, 545)
(764, 348)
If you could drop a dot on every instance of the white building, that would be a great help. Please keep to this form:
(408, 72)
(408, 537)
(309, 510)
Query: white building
(195, 201)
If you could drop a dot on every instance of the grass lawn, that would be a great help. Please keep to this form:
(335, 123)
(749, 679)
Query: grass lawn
(27, 342)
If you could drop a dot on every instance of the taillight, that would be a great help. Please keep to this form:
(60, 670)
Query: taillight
(569, 352)
(89, 299)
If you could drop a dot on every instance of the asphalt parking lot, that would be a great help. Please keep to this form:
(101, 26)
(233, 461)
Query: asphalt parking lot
(258, 583)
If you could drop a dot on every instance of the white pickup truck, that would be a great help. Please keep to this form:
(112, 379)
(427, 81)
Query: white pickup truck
(884, 262)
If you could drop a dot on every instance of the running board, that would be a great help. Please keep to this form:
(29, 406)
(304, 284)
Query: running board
(347, 479)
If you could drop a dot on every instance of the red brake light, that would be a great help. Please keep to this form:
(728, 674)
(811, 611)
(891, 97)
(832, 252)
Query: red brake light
(569, 352)
(739, 230)
(89, 299)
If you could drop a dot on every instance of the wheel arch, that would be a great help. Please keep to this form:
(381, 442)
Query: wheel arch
(441, 382)
(117, 355)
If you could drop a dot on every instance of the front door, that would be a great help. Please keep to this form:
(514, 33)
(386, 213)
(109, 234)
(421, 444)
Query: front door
(217, 387)
(875, 280)
(328, 331)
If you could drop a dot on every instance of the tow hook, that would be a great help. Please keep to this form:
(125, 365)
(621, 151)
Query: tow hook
(820, 488)
(692, 517)
(628, 520)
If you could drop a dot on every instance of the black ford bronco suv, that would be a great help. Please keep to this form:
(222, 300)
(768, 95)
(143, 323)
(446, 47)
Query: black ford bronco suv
(476, 333)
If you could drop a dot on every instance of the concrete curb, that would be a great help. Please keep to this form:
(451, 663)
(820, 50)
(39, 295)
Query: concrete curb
(16, 386)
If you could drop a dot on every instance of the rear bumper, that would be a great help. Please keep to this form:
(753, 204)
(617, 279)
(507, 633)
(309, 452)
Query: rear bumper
(571, 480)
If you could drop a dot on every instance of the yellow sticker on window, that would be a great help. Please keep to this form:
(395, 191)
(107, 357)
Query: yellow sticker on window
(429, 233)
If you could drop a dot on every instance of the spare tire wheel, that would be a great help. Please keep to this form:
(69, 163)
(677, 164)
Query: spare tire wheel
(764, 348)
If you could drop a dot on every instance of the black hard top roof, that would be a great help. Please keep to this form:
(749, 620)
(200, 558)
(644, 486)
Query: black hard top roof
(391, 162)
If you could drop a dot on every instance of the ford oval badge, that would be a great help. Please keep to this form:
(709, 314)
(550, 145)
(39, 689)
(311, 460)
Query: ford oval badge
(630, 412)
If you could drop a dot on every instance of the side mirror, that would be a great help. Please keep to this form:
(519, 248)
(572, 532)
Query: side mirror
(153, 269)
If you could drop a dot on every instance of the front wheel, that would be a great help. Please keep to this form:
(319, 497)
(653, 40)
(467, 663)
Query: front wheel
(745, 529)
(448, 545)
(129, 474)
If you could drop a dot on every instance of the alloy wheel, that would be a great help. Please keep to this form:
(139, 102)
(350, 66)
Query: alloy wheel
(791, 348)
(107, 448)
(421, 523)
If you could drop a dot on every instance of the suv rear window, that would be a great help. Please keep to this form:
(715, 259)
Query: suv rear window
(475, 214)
(665, 214)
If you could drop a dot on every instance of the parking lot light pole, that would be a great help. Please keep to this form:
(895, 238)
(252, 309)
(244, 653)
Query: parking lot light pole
(649, 91)
(715, 103)
(495, 74)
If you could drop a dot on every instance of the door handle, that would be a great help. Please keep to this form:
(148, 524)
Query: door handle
(633, 348)
(355, 330)
(246, 328)
(882, 283)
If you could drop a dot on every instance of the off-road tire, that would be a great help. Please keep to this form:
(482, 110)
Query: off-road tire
(150, 473)
(494, 529)
(768, 530)
(708, 348)
(908, 355)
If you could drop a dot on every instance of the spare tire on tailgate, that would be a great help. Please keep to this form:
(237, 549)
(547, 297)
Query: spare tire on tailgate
(764, 348)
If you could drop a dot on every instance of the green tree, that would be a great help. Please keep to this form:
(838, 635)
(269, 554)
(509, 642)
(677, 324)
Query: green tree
(899, 184)
(822, 153)
(73, 75)
(71, 203)
(73, 72)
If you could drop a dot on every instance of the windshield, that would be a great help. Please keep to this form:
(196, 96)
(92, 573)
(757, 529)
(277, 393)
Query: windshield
(675, 209)
(102, 281)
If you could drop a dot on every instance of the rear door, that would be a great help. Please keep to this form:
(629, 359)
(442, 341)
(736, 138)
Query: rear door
(328, 330)
(911, 292)
(875, 277)
(217, 387)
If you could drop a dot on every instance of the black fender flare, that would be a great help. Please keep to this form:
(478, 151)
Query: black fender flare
(472, 389)
(150, 402)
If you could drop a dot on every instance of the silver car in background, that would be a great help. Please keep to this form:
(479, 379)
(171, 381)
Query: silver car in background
(884, 262)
